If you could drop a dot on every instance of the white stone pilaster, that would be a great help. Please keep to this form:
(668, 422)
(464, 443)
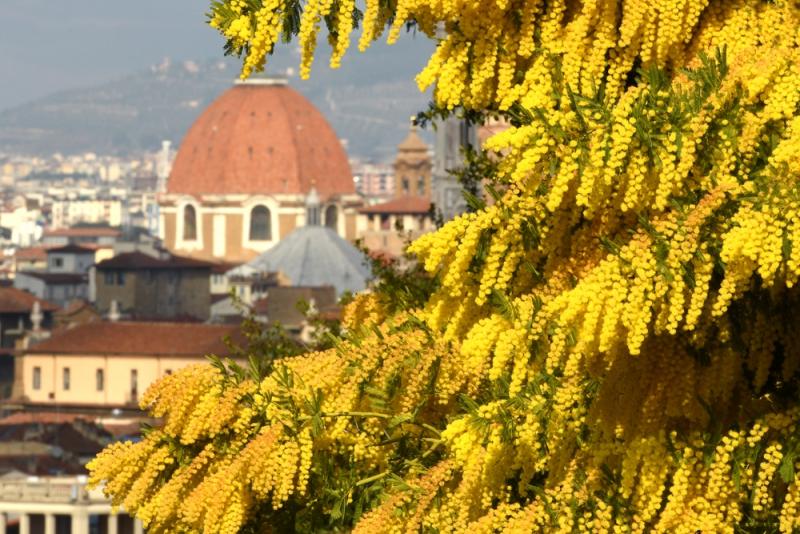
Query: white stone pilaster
(80, 522)
(219, 235)
(24, 524)
(113, 521)
(138, 528)
(49, 524)
(3, 521)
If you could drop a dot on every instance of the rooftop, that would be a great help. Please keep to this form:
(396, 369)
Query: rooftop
(312, 256)
(56, 278)
(66, 435)
(74, 307)
(82, 232)
(280, 304)
(261, 138)
(413, 143)
(143, 339)
(222, 268)
(408, 205)
(25, 418)
(31, 254)
(71, 249)
(140, 260)
(13, 300)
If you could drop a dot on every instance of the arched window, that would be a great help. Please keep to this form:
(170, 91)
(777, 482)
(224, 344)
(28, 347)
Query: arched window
(331, 217)
(260, 228)
(406, 185)
(421, 186)
(189, 223)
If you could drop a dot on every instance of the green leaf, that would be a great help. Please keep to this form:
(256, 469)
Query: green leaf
(474, 203)
(786, 468)
(502, 305)
(399, 420)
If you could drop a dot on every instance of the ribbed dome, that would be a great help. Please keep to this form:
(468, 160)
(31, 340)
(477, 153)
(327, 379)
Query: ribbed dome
(313, 256)
(261, 138)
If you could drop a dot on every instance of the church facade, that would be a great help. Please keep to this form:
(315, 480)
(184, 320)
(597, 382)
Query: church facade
(242, 174)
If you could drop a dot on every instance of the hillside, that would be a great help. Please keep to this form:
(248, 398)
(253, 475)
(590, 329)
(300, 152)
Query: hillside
(368, 101)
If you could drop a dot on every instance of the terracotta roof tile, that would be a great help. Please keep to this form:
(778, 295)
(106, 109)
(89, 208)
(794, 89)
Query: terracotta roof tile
(82, 232)
(57, 278)
(13, 300)
(72, 249)
(401, 205)
(74, 306)
(37, 461)
(24, 418)
(145, 339)
(140, 260)
(31, 254)
(222, 268)
(261, 139)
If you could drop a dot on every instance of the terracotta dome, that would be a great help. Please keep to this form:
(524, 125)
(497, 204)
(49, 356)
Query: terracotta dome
(260, 137)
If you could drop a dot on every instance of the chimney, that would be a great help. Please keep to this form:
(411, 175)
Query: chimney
(113, 312)
(36, 317)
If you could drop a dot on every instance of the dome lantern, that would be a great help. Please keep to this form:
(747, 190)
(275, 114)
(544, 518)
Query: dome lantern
(312, 207)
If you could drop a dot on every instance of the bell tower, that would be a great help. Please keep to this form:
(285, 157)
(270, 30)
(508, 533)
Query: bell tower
(412, 167)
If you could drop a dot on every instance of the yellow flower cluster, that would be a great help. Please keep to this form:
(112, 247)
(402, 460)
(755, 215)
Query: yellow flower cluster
(249, 444)
(610, 347)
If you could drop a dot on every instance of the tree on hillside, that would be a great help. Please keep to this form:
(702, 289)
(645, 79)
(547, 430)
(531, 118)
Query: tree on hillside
(613, 345)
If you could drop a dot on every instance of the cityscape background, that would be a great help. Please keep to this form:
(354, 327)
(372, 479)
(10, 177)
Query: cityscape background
(149, 202)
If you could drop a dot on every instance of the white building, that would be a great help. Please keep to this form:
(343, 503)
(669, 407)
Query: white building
(24, 223)
(66, 213)
(51, 505)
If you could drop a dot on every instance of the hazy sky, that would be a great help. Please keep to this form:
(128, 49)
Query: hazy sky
(49, 45)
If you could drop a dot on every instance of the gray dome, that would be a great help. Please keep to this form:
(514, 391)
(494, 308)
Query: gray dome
(313, 256)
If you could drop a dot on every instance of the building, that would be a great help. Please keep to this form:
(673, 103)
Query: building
(389, 226)
(30, 259)
(281, 305)
(220, 285)
(50, 505)
(247, 286)
(373, 181)
(58, 288)
(70, 259)
(100, 366)
(412, 167)
(78, 311)
(311, 256)
(81, 235)
(66, 213)
(241, 175)
(57, 444)
(65, 277)
(152, 287)
(18, 310)
(453, 135)
(23, 218)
